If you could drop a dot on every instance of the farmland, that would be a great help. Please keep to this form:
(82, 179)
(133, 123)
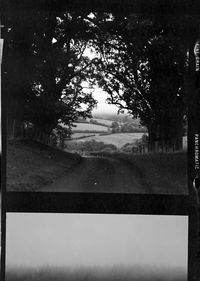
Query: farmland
(88, 132)
(116, 139)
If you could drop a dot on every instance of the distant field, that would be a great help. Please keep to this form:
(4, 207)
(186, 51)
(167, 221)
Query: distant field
(117, 139)
(89, 127)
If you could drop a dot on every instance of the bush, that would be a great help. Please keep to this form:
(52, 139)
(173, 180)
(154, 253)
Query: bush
(90, 146)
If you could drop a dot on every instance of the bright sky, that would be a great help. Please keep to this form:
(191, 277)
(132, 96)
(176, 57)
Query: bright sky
(103, 106)
(98, 93)
(101, 96)
(96, 240)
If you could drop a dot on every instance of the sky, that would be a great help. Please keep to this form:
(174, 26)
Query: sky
(39, 239)
(102, 105)
(100, 96)
(98, 93)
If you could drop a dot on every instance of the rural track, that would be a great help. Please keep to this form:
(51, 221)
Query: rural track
(101, 174)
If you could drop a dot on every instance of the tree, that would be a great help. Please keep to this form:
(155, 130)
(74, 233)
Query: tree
(139, 64)
(50, 56)
(142, 69)
(115, 127)
(17, 66)
(60, 72)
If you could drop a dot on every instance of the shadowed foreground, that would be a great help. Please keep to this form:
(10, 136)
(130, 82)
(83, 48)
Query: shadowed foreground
(153, 174)
(97, 274)
(31, 165)
(35, 167)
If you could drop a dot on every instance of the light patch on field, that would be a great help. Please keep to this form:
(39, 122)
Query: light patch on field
(117, 139)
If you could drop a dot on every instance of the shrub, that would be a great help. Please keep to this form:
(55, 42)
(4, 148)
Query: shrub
(90, 146)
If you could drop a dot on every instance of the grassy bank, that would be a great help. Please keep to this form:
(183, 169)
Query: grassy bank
(160, 170)
(31, 165)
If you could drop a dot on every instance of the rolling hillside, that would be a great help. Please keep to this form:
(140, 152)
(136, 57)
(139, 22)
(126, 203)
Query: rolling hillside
(89, 131)
(116, 139)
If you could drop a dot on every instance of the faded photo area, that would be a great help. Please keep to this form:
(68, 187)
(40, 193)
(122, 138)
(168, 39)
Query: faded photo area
(82, 247)
(97, 101)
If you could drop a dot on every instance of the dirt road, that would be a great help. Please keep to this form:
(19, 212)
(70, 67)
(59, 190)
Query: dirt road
(101, 174)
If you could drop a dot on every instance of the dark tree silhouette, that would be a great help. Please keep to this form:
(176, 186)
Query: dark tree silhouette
(45, 68)
(142, 69)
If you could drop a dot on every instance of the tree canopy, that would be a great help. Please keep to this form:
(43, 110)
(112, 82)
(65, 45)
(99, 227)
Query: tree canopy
(47, 67)
(140, 62)
(142, 69)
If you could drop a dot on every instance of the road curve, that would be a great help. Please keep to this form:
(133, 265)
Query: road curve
(101, 174)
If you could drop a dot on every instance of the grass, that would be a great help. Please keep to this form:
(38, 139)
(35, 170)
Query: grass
(31, 165)
(96, 274)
